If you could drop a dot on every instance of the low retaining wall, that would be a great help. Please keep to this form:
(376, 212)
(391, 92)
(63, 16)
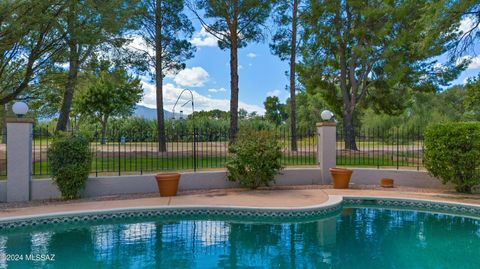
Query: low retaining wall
(103, 186)
(408, 178)
(42, 189)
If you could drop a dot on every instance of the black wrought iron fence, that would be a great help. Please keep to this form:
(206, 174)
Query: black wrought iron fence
(392, 148)
(120, 153)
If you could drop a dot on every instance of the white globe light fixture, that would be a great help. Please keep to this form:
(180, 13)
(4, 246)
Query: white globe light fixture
(326, 115)
(20, 109)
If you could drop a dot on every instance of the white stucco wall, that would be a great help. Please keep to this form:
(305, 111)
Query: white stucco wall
(408, 178)
(103, 186)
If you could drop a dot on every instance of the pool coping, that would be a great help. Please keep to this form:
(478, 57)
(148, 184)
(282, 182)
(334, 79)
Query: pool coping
(333, 206)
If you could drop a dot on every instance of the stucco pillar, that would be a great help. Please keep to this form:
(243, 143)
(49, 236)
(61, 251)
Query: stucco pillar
(19, 159)
(326, 149)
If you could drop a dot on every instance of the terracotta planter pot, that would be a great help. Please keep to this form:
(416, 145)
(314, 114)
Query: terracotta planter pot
(340, 177)
(386, 183)
(168, 183)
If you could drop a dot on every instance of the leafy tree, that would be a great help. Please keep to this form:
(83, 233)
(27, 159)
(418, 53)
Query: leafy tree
(274, 110)
(367, 53)
(214, 114)
(449, 15)
(284, 45)
(165, 29)
(87, 27)
(309, 108)
(235, 24)
(242, 114)
(253, 114)
(45, 94)
(467, 40)
(27, 43)
(423, 109)
(112, 93)
(472, 99)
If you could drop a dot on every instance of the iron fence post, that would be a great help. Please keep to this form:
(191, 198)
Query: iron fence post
(194, 149)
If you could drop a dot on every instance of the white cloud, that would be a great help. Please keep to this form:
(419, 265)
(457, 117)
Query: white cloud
(474, 61)
(139, 44)
(217, 90)
(240, 67)
(192, 77)
(202, 102)
(467, 24)
(276, 93)
(204, 39)
(251, 55)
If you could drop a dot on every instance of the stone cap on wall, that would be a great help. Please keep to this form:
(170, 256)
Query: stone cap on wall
(19, 120)
(326, 123)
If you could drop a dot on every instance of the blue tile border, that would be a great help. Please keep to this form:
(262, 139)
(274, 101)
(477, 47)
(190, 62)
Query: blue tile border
(242, 213)
(458, 209)
(176, 213)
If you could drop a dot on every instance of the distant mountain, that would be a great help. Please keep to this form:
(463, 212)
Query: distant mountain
(140, 111)
(150, 113)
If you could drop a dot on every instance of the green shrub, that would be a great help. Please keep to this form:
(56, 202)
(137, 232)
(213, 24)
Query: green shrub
(256, 159)
(70, 161)
(452, 152)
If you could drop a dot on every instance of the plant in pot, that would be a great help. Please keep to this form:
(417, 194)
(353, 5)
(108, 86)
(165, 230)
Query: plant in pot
(340, 177)
(168, 183)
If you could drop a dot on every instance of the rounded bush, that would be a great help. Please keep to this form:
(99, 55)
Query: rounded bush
(70, 160)
(255, 159)
(452, 153)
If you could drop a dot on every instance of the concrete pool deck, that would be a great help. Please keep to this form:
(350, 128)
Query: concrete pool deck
(285, 197)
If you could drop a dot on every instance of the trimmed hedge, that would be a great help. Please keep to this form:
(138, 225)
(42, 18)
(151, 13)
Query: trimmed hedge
(452, 153)
(70, 161)
(256, 159)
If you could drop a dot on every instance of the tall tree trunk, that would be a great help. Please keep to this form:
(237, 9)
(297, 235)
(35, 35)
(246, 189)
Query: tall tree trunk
(162, 145)
(349, 130)
(234, 78)
(293, 102)
(73, 65)
(348, 101)
(104, 129)
(234, 92)
(69, 89)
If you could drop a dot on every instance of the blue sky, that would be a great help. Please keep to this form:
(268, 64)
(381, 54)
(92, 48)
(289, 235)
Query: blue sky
(260, 74)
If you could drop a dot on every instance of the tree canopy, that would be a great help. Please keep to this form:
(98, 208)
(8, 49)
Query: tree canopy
(275, 111)
(89, 27)
(111, 93)
(27, 43)
(371, 53)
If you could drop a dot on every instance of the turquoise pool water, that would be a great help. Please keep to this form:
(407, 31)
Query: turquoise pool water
(356, 238)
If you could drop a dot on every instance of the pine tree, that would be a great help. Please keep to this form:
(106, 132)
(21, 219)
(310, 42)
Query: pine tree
(235, 23)
(166, 29)
(371, 53)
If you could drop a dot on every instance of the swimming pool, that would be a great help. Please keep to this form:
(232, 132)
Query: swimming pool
(358, 236)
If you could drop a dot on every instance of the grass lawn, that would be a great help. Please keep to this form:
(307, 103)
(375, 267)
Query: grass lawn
(138, 165)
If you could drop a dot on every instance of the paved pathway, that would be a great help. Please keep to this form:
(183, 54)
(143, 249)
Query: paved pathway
(299, 196)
